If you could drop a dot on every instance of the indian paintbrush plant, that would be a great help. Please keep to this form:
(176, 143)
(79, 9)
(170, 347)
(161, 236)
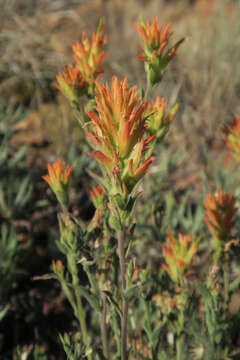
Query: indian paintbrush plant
(138, 313)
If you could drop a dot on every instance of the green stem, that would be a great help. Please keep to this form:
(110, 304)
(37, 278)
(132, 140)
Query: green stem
(218, 251)
(180, 348)
(181, 324)
(80, 311)
(91, 280)
(104, 329)
(147, 89)
(115, 328)
(226, 284)
(68, 294)
(121, 238)
(103, 316)
(149, 332)
(77, 305)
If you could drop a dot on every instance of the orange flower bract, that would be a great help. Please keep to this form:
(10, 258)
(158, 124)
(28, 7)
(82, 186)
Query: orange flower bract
(220, 210)
(157, 51)
(58, 179)
(179, 255)
(156, 40)
(70, 82)
(158, 120)
(233, 137)
(97, 195)
(118, 132)
(89, 57)
(57, 173)
(80, 79)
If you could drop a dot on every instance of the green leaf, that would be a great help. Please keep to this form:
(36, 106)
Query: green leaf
(22, 192)
(99, 180)
(131, 291)
(156, 336)
(3, 204)
(203, 291)
(3, 154)
(113, 302)
(18, 156)
(3, 312)
(91, 298)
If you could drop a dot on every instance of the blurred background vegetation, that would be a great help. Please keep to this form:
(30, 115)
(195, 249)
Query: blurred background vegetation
(37, 125)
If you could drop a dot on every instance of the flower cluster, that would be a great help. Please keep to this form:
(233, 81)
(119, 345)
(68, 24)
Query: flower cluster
(80, 79)
(158, 120)
(179, 255)
(220, 210)
(156, 51)
(58, 179)
(233, 137)
(118, 135)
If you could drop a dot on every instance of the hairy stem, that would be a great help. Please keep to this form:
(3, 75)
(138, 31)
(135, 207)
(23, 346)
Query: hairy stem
(180, 345)
(120, 238)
